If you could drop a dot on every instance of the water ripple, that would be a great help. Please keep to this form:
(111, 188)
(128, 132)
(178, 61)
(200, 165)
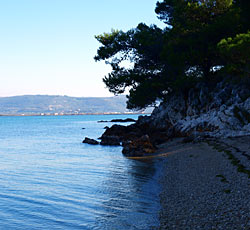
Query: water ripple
(49, 180)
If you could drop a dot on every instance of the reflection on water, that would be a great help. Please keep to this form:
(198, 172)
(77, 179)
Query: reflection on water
(132, 197)
(49, 180)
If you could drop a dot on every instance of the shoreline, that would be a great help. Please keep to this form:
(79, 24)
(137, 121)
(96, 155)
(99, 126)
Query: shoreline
(203, 187)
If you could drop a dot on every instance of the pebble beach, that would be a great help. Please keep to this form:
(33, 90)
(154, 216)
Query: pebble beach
(206, 185)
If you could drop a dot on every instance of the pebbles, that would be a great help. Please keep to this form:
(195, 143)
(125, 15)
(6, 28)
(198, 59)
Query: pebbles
(203, 190)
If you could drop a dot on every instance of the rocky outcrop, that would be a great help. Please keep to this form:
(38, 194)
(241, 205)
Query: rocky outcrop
(121, 133)
(123, 120)
(215, 109)
(110, 140)
(138, 147)
(119, 120)
(220, 110)
(90, 141)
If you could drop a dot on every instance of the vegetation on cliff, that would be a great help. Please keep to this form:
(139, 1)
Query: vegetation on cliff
(202, 40)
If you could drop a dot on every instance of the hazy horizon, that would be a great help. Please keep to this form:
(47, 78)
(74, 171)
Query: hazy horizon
(57, 95)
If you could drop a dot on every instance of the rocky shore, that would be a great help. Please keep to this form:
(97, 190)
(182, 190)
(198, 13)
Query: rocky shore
(218, 109)
(206, 182)
(203, 187)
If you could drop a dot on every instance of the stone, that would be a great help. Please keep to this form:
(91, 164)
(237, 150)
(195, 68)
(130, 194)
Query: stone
(138, 147)
(188, 139)
(203, 97)
(123, 120)
(115, 130)
(90, 141)
(208, 110)
(118, 120)
(122, 133)
(110, 140)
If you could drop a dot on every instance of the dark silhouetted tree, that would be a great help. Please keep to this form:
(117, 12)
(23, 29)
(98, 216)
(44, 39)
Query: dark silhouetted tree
(152, 62)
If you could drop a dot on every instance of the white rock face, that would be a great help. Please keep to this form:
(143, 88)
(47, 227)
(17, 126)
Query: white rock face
(221, 111)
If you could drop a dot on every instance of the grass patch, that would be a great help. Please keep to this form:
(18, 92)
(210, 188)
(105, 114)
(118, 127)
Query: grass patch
(236, 162)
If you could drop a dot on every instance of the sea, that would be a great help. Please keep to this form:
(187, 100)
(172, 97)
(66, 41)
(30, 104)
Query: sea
(49, 179)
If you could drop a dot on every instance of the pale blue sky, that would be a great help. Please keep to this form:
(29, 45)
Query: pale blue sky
(47, 46)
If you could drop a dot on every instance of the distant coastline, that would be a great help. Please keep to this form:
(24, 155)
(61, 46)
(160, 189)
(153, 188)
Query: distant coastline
(46, 105)
(72, 114)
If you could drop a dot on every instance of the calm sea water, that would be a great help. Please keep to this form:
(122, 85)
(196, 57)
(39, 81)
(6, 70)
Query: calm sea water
(50, 180)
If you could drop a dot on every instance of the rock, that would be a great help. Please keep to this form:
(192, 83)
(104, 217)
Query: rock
(126, 142)
(119, 120)
(209, 109)
(144, 119)
(115, 130)
(121, 132)
(110, 140)
(244, 94)
(102, 121)
(116, 134)
(188, 139)
(203, 97)
(123, 120)
(106, 127)
(138, 147)
(90, 141)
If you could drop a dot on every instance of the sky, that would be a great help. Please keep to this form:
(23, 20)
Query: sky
(47, 46)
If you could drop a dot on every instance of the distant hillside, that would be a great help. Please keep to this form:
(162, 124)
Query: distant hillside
(37, 104)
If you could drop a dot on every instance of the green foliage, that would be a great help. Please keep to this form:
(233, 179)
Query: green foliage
(141, 48)
(151, 62)
(236, 53)
(234, 160)
(197, 27)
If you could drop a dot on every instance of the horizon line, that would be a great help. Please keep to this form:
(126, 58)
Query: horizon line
(58, 95)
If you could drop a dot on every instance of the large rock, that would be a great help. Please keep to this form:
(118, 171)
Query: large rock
(218, 109)
(123, 120)
(138, 147)
(115, 130)
(119, 133)
(119, 120)
(110, 140)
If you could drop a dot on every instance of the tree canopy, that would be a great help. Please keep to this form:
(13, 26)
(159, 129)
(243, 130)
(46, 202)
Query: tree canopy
(200, 37)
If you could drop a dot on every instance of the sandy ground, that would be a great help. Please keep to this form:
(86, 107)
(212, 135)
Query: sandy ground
(206, 185)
